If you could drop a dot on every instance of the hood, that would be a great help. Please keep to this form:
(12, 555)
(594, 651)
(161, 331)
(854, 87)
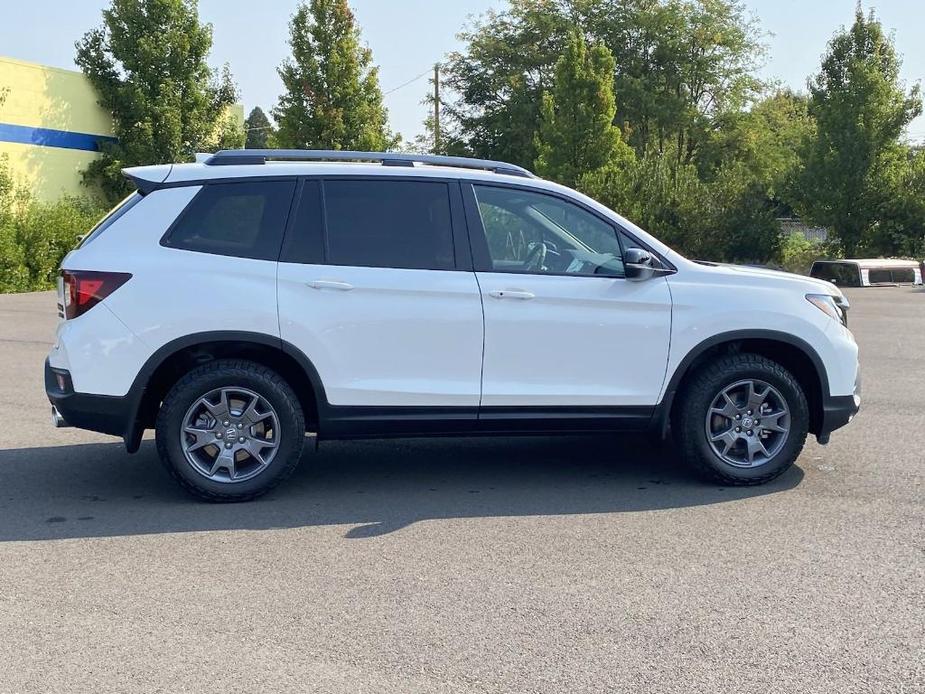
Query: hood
(809, 284)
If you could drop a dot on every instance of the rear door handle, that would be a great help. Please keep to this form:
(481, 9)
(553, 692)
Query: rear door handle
(330, 284)
(511, 294)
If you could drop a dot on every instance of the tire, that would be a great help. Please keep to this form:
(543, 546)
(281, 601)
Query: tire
(271, 447)
(697, 420)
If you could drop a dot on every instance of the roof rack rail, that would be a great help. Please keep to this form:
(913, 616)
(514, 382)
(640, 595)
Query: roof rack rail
(227, 157)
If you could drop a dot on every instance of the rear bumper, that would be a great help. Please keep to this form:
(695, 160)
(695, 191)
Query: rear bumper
(107, 414)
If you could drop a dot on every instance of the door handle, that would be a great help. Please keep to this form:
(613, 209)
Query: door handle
(511, 294)
(330, 284)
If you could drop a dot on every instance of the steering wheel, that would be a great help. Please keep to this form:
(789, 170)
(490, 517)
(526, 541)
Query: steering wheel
(536, 257)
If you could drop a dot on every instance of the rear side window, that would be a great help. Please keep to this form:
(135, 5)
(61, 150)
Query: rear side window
(245, 219)
(393, 224)
(904, 275)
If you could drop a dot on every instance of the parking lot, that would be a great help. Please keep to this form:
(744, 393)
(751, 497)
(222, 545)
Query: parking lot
(579, 564)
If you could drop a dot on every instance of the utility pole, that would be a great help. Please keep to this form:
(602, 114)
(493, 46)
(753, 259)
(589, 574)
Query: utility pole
(436, 108)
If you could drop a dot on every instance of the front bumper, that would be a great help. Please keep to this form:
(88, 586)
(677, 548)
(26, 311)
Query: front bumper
(838, 410)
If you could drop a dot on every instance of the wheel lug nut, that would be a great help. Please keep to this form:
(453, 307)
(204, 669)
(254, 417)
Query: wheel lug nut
(240, 439)
(240, 425)
(738, 429)
(219, 435)
(749, 432)
(228, 445)
(749, 412)
(738, 416)
(225, 423)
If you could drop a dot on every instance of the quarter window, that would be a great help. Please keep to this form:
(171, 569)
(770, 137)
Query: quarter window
(393, 224)
(542, 234)
(245, 219)
(842, 274)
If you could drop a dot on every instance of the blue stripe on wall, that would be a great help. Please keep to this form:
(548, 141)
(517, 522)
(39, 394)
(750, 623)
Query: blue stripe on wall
(46, 137)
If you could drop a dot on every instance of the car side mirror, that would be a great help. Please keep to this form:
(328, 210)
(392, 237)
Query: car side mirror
(638, 264)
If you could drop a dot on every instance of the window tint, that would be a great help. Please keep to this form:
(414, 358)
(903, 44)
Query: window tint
(842, 274)
(395, 224)
(537, 233)
(304, 241)
(880, 276)
(244, 219)
(904, 274)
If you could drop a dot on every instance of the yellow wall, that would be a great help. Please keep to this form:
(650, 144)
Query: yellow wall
(39, 96)
(45, 97)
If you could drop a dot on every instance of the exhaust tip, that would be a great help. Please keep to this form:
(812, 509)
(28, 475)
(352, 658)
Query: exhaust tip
(57, 420)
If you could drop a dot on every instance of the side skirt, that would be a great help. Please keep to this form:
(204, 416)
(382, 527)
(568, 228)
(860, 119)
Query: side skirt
(339, 422)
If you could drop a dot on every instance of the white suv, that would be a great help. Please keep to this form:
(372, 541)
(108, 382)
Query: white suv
(240, 302)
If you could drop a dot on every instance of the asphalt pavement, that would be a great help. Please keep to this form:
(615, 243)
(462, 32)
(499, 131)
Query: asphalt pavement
(572, 564)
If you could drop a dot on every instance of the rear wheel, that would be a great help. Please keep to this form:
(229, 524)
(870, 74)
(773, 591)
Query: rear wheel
(230, 430)
(742, 420)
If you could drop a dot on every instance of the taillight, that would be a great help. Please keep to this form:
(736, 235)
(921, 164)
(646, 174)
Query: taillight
(84, 289)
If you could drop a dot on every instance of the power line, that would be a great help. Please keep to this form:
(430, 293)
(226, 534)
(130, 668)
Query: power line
(405, 84)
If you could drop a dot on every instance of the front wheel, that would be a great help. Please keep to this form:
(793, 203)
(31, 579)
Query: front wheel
(230, 430)
(742, 420)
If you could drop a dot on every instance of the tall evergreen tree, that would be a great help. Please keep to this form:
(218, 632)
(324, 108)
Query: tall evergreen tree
(257, 130)
(332, 98)
(861, 110)
(577, 134)
(148, 64)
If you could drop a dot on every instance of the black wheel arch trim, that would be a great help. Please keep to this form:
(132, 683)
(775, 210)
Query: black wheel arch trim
(661, 418)
(135, 396)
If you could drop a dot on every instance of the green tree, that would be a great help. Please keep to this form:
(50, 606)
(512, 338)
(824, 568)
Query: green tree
(901, 228)
(508, 61)
(148, 64)
(853, 163)
(679, 65)
(765, 141)
(332, 98)
(577, 134)
(257, 129)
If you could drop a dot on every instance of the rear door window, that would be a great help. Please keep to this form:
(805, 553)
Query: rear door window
(244, 219)
(388, 224)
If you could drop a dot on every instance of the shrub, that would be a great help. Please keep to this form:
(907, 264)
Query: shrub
(797, 253)
(46, 232)
(35, 236)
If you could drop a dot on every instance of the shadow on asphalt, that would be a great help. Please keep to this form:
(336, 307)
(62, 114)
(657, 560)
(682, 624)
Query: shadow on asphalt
(377, 487)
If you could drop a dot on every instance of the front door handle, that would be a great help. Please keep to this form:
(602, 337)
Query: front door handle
(330, 284)
(512, 294)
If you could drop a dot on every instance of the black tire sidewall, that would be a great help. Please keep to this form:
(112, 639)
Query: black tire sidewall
(704, 390)
(262, 381)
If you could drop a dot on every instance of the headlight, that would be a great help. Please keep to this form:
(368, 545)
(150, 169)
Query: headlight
(834, 306)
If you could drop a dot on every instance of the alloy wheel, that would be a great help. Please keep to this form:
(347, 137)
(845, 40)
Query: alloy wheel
(230, 434)
(748, 423)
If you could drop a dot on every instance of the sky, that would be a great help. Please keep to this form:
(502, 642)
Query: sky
(408, 36)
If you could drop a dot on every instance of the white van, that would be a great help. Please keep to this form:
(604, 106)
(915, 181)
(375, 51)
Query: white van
(867, 272)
